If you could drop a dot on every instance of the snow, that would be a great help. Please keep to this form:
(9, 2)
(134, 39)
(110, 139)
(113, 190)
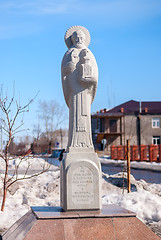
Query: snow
(44, 190)
(33, 162)
(144, 199)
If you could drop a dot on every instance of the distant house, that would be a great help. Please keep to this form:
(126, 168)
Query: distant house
(138, 121)
(45, 145)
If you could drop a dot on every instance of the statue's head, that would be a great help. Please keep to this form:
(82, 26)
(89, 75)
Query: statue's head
(74, 56)
(78, 39)
(84, 53)
(77, 36)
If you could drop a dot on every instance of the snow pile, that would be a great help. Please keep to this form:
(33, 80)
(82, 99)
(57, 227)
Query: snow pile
(144, 199)
(44, 190)
(24, 163)
(38, 191)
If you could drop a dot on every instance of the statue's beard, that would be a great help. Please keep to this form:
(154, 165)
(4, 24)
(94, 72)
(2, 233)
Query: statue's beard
(79, 45)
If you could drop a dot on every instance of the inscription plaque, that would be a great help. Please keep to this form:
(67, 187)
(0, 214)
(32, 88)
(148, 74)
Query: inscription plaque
(82, 186)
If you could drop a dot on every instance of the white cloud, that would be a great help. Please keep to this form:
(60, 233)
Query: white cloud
(34, 7)
(16, 16)
(111, 9)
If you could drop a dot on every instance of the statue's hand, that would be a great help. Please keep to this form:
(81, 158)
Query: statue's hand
(90, 80)
(68, 68)
(71, 66)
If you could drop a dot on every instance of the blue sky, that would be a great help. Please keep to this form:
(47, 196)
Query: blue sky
(125, 39)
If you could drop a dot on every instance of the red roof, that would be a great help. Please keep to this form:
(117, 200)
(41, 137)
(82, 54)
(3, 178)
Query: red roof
(133, 107)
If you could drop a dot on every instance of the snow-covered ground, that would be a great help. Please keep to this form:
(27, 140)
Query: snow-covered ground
(44, 190)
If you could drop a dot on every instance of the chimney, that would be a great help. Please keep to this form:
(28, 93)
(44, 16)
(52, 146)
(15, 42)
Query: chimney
(122, 110)
(146, 110)
(104, 110)
(101, 111)
(97, 112)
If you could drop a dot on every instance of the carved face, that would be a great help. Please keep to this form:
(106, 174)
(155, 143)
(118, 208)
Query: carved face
(74, 56)
(78, 39)
(84, 53)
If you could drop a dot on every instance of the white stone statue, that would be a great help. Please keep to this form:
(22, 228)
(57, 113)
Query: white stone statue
(79, 80)
(80, 169)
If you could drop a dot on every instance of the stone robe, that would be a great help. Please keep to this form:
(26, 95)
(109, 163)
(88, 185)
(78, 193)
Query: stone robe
(79, 79)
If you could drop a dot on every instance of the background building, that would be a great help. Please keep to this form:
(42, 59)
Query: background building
(138, 121)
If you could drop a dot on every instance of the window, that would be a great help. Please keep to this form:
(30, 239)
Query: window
(102, 125)
(98, 125)
(155, 122)
(156, 140)
(94, 125)
(113, 125)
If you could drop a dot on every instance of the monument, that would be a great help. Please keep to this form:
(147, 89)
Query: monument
(80, 170)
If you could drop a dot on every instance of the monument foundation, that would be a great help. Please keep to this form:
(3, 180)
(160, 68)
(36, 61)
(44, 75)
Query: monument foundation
(51, 223)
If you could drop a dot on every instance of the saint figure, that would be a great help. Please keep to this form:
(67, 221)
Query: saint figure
(79, 79)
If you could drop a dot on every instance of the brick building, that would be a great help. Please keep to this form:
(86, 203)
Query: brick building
(138, 121)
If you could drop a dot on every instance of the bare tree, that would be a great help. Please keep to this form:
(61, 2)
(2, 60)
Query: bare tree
(53, 115)
(10, 111)
(37, 130)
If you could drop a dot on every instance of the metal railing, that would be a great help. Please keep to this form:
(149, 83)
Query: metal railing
(150, 153)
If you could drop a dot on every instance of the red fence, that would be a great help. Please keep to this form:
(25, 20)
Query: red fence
(151, 153)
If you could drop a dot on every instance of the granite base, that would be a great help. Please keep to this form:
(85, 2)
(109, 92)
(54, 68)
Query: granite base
(52, 223)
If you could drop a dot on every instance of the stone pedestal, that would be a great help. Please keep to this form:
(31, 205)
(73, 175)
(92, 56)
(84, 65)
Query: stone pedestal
(80, 182)
(51, 223)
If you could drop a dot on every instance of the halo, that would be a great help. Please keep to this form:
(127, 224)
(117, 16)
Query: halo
(71, 30)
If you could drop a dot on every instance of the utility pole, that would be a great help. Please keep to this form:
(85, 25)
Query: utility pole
(61, 136)
(128, 167)
(1, 141)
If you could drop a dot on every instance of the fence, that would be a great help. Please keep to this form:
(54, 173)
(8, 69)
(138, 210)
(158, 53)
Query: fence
(151, 153)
